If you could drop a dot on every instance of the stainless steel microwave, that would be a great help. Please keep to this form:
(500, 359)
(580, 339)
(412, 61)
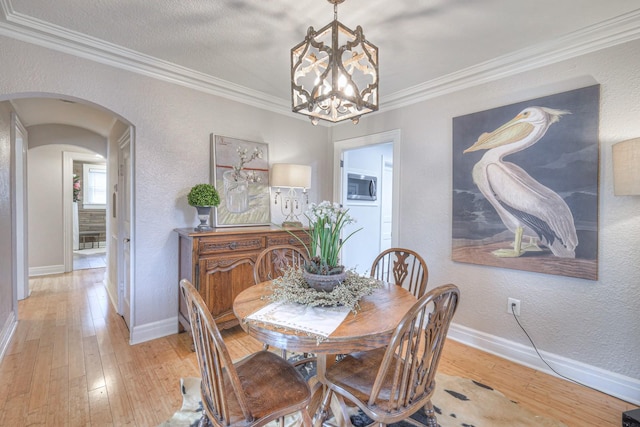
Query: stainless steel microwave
(361, 187)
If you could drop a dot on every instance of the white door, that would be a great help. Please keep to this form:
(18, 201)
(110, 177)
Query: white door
(361, 248)
(21, 272)
(124, 227)
(355, 253)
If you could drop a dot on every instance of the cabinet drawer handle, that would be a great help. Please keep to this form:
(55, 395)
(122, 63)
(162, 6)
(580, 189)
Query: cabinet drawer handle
(292, 241)
(233, 245)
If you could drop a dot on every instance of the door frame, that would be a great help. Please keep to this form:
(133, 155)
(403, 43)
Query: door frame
(125, 141)
(20, 210)
(340, 146)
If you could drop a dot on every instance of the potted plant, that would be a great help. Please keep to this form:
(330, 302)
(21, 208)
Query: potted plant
(203, 197)
(327, 220)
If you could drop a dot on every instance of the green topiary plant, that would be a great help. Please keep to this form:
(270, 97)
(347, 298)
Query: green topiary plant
(203, 195)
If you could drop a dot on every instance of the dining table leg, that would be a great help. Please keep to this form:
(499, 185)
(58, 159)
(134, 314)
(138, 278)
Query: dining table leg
(322, 412)
(329, 400)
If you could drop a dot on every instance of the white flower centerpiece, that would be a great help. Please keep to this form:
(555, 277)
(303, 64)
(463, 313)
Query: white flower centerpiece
(323, 281)
(326, 222)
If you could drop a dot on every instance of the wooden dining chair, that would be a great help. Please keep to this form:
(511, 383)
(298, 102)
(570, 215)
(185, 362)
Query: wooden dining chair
(403, 267)
(390, 384)
(272, 262)
(249, 393)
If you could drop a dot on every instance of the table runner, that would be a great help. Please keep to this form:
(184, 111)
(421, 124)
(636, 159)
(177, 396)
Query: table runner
(319, 321)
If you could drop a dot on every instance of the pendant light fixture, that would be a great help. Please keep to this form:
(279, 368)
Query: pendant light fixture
(334, 73)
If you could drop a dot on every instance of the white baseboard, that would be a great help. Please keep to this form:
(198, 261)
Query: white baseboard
(45, 270)
(153, 330)
(611, 383)
(7, 332)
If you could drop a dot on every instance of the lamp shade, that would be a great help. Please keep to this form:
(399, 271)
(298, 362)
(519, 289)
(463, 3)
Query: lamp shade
(626, 168)
(290, 175)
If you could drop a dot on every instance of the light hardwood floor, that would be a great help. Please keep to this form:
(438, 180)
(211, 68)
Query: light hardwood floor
(69, 364)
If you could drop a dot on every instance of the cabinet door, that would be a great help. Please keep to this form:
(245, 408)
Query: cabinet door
(222, 278)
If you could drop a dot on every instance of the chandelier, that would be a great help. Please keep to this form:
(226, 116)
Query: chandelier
(334, 73)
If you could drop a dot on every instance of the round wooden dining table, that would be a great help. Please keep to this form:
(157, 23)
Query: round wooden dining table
(369, 328)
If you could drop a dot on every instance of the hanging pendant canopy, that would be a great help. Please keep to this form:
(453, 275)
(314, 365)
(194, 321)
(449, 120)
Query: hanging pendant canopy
(334, 73)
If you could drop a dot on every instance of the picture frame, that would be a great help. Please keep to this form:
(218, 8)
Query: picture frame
(240, 173)
(550, 185)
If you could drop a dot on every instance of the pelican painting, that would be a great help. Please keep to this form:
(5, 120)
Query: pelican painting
(533, 212)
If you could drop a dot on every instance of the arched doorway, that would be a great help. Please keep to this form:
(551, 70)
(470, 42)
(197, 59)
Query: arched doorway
(55, 112)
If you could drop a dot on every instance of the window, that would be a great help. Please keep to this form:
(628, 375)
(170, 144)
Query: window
(94, 190)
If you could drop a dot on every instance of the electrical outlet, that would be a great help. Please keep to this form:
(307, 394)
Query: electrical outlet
(516, 306)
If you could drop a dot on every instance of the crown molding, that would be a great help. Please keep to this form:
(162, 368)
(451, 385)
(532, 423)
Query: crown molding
(606, 34)
(6, 8)
(42, 33)
(590, 39)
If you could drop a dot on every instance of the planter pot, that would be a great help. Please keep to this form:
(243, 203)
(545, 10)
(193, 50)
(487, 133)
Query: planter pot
(204, 213)
(323, 282)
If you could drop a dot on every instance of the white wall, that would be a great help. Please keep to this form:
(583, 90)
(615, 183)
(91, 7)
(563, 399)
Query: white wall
(64, 134)
(171, 154)
(47, 143)
(46, 226)
(591, 322)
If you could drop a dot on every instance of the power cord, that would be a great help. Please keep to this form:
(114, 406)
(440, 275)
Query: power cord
(513, 306)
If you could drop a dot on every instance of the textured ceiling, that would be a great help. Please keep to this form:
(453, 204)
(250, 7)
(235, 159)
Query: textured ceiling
(243, 46)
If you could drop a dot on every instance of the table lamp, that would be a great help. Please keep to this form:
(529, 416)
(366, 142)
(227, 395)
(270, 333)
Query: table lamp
(291, 177)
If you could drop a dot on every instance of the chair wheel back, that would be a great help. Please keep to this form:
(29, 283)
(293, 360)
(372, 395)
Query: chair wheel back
(392, 383)
(212, 355)
(258, 389)
(272, 262)
(403, 267)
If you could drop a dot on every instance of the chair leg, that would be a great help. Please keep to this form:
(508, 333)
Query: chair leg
(306, 418)
(340, 412)
(321, 416)
(432, 421)
(205, 421)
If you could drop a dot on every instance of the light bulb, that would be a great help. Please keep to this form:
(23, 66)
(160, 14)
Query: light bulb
(342, 81)
(348, 90)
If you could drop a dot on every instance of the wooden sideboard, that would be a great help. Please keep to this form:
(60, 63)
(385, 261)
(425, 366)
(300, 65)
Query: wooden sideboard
(220, 263)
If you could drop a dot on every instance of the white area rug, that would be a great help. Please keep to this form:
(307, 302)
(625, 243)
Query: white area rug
(459, 402)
